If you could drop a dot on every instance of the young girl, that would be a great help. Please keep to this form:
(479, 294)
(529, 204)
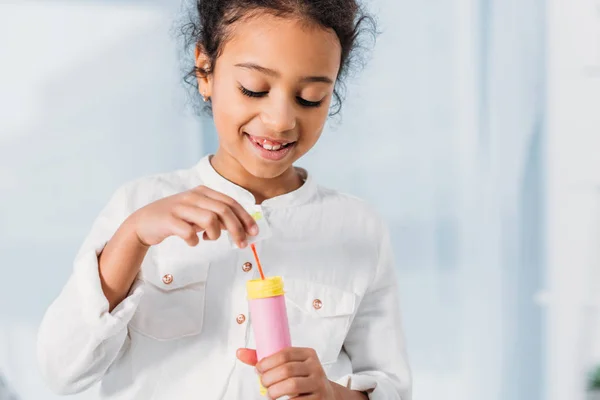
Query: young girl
(156, 307)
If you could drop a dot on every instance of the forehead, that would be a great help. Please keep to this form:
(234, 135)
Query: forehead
(288, 45)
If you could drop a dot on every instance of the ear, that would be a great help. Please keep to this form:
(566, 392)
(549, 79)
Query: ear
(204, 80)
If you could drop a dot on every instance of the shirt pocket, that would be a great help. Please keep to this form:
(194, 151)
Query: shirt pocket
(319, 316)
(173, 302)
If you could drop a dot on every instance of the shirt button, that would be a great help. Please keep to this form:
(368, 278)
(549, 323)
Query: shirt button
(241, 319)
(317, 304)
(246, 267)
(167, 279)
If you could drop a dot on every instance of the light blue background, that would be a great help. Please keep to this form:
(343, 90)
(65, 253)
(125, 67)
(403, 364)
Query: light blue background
(443, 132)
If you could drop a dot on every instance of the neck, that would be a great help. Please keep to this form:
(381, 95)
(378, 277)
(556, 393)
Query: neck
(262, 188)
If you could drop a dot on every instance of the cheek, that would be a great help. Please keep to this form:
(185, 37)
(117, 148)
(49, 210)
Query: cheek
(229, 113)
(312, 126)
(315, 135)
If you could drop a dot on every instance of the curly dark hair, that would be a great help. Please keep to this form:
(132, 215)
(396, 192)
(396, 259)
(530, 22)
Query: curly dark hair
(207, 29)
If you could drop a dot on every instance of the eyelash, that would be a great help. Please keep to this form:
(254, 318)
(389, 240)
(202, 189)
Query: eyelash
(250, 93)
(301, 101)
(306, 103)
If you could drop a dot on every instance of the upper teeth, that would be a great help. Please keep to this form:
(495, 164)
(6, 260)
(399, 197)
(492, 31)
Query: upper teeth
(268, 146)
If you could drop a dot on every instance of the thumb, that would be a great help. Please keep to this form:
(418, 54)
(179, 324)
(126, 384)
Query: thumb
(247, 356)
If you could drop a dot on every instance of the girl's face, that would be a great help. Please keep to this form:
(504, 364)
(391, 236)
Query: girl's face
(271, 89)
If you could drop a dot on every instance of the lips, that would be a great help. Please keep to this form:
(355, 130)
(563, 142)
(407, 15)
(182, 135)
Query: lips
(269, 148)
(268, 143)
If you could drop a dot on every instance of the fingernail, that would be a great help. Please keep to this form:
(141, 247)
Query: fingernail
(243, 244)
(254, 230)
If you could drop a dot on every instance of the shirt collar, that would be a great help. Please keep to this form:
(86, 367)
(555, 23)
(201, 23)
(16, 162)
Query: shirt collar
(211, 178)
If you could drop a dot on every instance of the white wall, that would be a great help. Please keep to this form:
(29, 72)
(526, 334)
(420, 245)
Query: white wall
(573, 211)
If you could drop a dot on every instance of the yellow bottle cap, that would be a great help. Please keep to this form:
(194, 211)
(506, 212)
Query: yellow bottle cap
(263, 288)
(262, 389)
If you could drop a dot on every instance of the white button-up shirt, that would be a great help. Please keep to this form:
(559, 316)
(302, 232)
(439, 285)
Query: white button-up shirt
(175, 336)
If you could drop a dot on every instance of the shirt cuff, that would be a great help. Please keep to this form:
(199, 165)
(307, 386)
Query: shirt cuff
(94, 303)
(375, 384)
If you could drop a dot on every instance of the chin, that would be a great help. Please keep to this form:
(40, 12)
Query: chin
(265, 170)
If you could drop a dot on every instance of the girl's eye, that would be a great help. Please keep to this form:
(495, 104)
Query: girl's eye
(306, 103)
(300, 100)
(250, 93)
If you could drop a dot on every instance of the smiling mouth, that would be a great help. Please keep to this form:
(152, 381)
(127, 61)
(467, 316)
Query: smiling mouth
(270, 144)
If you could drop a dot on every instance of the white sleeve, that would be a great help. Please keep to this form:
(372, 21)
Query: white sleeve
(375, 342)
(79, 338)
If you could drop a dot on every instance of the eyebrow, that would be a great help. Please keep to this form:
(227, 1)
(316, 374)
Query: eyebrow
(270, 72)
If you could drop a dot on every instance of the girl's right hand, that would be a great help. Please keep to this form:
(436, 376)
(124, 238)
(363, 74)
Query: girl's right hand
(196, 210)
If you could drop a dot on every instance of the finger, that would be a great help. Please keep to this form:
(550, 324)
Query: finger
(205, 235)
(247, 356)
(212, 226)
(244, 217)
(207, 220)
(197, 228)
(228, 218)
(290, 370)
(193, 199)
(185, 231)
(293, 387)
(285, 356)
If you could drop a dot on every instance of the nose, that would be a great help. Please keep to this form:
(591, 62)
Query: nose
(279, 116)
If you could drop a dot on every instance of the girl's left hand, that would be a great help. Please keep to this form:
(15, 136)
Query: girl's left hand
(294, 372)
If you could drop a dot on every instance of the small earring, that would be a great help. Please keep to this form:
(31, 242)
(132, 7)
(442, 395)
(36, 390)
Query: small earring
(205, 97)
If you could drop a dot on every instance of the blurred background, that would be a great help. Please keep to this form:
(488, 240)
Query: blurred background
(475, 129)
